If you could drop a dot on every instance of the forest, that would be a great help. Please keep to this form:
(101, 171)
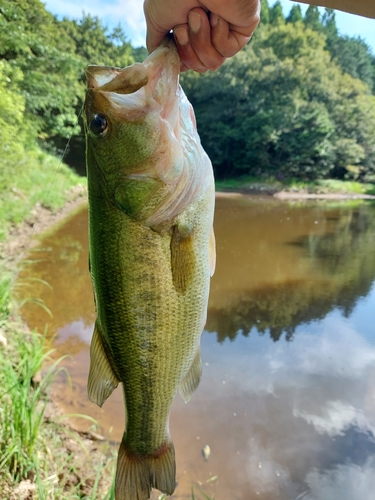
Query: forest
(297, 102)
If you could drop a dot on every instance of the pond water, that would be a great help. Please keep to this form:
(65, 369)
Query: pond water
(287, 399)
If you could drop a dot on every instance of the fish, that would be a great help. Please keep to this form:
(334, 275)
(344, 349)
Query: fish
(151, 255)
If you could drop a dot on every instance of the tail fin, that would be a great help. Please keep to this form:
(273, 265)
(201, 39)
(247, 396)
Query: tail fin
(136, 475)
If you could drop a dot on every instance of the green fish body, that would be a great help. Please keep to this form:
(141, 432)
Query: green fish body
(152, 252)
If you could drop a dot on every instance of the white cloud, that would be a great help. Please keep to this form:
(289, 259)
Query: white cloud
(345, 482)
(321, 375)
(335, 417)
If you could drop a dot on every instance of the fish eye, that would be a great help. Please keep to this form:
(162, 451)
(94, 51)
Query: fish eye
(98, 126)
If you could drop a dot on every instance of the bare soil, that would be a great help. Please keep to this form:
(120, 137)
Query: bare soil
(87, 451)
(77, 456)
(289, 195)
(22, 236)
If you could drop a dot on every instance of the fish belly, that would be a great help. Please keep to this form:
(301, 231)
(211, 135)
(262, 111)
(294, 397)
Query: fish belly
(151, 290)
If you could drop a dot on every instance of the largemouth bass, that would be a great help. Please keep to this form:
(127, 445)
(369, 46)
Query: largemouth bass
(152, 251)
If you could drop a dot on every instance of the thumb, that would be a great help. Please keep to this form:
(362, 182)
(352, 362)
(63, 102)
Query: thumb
(154, 37)
(155, 33)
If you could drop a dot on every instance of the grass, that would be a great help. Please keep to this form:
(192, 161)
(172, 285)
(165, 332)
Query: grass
(22, 403)
(270, 184)
(31, 447)
(27, 183)
(40, 453)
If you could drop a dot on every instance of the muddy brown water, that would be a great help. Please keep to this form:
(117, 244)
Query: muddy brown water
(287, 399)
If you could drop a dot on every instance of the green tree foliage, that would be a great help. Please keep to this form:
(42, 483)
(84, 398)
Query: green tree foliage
(312, 18)
(329, 25)
(352, 54)
(276, 13)
(139, 54)
(32, 41)
(295, 14)
(264, 12)
(52, 56)
(27, 174)
(282, 107)
(95, 45)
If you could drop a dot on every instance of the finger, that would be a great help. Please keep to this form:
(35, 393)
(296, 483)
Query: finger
(200, 39)
(188, 57)
(155, 33)
(225, 40)
(154, 38)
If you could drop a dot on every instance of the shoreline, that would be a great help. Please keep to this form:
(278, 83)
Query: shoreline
(84, 460)
(292, 195)
(22, 238)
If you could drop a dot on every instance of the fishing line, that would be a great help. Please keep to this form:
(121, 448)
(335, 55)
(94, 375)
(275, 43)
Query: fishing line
(43, 202)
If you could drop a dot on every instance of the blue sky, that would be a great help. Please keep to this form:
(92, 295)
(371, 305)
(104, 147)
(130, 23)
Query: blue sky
(129, 13)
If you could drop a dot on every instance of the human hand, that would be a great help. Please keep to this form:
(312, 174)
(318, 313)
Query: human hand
(206, 33)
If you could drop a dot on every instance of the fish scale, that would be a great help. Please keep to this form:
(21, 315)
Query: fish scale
(151, 256)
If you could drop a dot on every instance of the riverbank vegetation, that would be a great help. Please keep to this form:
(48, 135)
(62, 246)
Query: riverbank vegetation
(295, 108)
(298, 102)
(40, 456)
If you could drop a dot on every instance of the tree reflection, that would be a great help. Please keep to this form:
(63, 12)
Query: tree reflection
(338, 268)
(342, 271)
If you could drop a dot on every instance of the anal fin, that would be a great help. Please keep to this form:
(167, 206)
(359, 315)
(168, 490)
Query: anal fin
(137, 474)
(192, 378)
(102, 380)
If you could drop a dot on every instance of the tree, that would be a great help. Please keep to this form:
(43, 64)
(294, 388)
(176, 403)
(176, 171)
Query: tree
(295, 14)
(312, 18)
(276, 13)
(95, 45)
(329, 24)
(52, 56)
(355, 58)
(264, 12)
(283, 107)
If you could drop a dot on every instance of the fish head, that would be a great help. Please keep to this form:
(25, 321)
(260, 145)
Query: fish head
(130, 116)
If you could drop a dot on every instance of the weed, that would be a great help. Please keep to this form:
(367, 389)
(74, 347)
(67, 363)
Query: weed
(22, 403)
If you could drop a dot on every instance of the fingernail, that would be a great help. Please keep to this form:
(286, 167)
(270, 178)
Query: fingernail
(182, 35)
(214, 19)
(194, 21)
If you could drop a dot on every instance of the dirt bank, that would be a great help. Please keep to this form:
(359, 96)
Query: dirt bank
(21, 236)
(289, 195)
(82, 463)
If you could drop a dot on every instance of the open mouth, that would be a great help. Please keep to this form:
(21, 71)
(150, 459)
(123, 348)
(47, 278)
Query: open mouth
(158, 75)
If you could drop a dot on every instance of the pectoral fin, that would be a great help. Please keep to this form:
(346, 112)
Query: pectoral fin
(192, 378)
(212, 252)
(102, 380)
(182, 260)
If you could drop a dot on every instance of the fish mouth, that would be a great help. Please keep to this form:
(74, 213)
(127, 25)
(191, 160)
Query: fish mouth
(158, 75)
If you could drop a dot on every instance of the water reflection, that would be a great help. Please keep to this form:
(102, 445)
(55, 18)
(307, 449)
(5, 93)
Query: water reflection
(331, 269)
(284, 420)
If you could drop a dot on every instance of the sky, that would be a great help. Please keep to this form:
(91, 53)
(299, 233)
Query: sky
(129, 13)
